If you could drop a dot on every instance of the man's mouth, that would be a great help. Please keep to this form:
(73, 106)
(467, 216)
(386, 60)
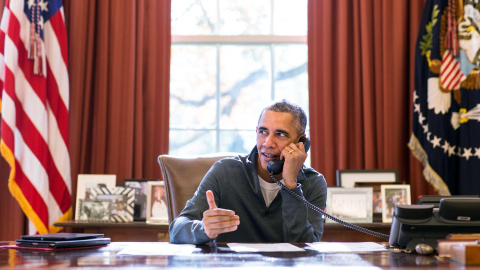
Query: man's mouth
(269, 156)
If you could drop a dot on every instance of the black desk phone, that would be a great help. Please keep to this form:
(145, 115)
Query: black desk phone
(425, 224)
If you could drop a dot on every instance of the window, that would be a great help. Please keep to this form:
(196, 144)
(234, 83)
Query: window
(229, 59)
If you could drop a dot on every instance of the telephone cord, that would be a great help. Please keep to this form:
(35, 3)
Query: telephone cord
(320, 211)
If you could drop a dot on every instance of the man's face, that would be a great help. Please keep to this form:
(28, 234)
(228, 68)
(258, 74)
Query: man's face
(275, 131)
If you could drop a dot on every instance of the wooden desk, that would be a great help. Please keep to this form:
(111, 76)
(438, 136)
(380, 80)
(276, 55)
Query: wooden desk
(217, 256)
(143, 232)
(136, 231)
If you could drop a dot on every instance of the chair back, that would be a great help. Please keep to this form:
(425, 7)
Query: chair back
(182, 176)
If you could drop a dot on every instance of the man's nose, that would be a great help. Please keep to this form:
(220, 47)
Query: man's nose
(269, 141)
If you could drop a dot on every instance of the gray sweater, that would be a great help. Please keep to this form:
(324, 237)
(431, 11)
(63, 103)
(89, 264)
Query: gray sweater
(234, 183)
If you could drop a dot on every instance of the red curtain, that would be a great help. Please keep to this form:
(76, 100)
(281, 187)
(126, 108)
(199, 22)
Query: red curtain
(119, 68)
(361, 66)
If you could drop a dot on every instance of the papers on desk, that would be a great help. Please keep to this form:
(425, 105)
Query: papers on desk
(274, 247)
(156, 248)
(347, 246)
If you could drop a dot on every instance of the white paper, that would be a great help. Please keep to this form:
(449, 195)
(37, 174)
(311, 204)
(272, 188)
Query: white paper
(157, 248)
(273, 247)
(347, 246)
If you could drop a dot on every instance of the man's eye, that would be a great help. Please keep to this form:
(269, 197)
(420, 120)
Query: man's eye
(281, 134)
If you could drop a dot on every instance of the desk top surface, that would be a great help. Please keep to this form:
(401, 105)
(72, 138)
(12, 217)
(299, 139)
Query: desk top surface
(218, 256)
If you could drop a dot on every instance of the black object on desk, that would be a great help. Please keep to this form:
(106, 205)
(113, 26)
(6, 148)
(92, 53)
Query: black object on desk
(62, 240)
(425, 224)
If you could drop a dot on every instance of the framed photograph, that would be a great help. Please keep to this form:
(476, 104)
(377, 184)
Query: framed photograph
(141, 190)
(157, 211)
(352, 205)
(87, 182)
(393, 195)
(93, 210)
(122, 201)
(376, 197)
(348, 178)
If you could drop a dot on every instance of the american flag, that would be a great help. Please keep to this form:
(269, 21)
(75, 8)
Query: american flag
(34, 109)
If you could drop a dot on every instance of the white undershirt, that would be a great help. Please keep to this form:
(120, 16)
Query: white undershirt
(269, 190)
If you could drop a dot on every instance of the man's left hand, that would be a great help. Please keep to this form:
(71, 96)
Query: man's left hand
(295, 156)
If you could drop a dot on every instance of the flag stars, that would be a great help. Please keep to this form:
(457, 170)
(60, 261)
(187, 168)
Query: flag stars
(43, 5)
(436, 141)
(451, 150)
(415, 96)
(446, 146)
(459, 152)
(477, 152)
(31, 3)
(41, 22)
(421, 118)
(425, 128)
(416, 107)
(467, 153)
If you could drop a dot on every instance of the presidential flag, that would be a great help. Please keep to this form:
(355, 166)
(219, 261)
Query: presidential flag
(446, 99)
(34, 109)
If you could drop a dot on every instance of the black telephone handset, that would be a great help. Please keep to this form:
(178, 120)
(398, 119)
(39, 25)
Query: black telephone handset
(276, 166)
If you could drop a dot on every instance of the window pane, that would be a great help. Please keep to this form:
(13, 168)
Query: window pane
(241, 142)
(290, 19)
(291, 77)
(193, 86)
(191, 143)
(245, 17)
(193, 17)
(245, 85)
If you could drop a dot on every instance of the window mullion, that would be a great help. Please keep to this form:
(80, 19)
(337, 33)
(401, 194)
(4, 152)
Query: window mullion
(218, 101)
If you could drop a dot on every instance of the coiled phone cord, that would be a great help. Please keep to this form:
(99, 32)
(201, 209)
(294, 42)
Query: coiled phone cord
(320, 211)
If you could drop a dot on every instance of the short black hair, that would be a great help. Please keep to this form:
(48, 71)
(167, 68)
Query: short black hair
(299, 116)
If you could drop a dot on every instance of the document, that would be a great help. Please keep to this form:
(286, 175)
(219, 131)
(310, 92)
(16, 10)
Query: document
(273, 247)
(157, 248)
(347, 246)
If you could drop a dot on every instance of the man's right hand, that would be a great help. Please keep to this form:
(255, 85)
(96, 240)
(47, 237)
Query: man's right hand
(217, 220)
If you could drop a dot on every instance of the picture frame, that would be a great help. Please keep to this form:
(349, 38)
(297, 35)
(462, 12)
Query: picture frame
(86, 182)
(376, 197)
(94, 210)
(348, 178)
(350, 204)
(393, 195)
(141, 190)
(157, 210)
(122, 202)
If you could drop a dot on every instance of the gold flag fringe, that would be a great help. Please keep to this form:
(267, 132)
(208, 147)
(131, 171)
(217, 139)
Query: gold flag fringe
(430, 175)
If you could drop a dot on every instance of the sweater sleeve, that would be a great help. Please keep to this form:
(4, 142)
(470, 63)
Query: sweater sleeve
(188, 228)
(302, 224)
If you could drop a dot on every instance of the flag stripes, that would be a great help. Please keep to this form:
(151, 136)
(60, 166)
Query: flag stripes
(34, 127)
(450, 73)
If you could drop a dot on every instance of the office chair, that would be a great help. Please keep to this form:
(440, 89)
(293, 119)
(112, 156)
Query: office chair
(182, 176)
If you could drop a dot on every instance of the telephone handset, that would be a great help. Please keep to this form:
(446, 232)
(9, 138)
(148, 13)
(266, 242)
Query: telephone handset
(275, 167)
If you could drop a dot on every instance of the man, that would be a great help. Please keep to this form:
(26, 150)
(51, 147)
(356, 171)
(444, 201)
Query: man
(237, 201)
